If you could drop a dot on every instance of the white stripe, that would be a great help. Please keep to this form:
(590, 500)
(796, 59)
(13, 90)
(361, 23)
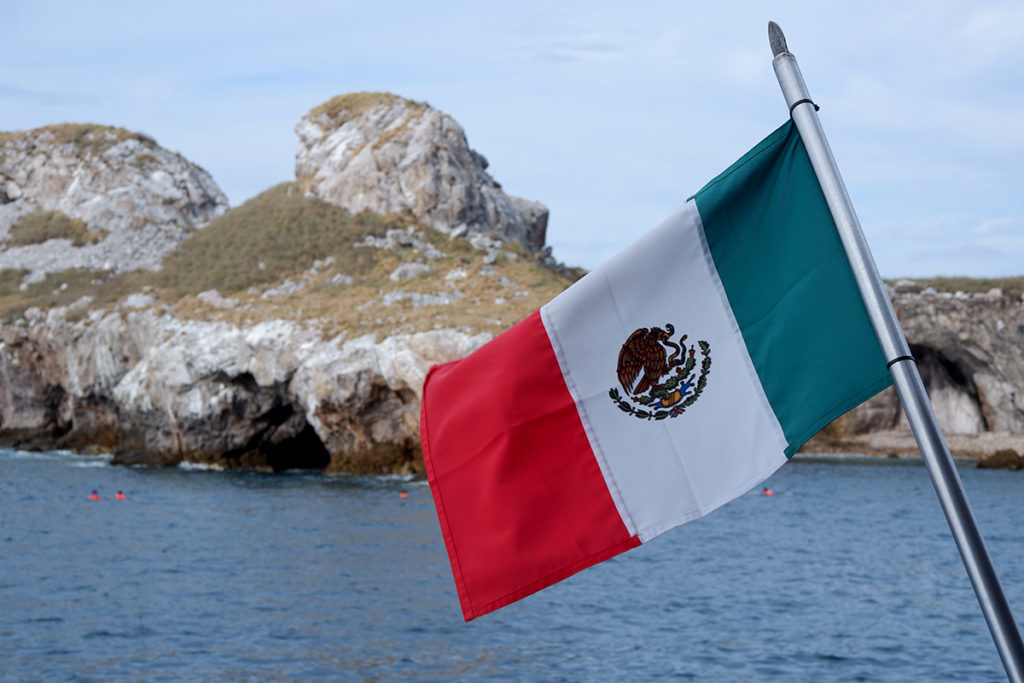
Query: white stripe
(662, 473)
(766, 406)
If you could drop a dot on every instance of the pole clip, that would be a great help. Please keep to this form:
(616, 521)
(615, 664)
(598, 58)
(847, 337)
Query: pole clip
(798, 103)
(894, 361)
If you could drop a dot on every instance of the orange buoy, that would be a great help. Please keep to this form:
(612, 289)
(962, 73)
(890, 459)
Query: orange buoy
(94, 496)
(403, 494)
(120, 496)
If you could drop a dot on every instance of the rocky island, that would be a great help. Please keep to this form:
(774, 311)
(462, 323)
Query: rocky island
(143, 317)
(967, 337)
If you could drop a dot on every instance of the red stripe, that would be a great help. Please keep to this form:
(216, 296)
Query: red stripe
(520, 497)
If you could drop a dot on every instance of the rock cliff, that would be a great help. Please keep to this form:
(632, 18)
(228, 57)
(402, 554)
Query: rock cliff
(970, 352)
(97, 198)
(296, 330)
(379, 152)
(155, 389)
(293, 331)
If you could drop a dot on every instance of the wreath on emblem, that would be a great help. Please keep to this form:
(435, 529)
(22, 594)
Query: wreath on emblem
(659, 385)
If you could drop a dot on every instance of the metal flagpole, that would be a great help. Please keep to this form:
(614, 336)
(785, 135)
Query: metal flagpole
(901, 364)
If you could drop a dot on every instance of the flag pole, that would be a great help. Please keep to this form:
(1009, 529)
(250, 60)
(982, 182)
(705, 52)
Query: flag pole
(901, 364)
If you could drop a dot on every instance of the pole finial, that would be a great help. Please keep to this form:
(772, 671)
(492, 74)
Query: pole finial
(777, 39)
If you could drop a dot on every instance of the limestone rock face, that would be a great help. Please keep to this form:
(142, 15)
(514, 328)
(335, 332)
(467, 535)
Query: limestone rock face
(365, 400)
(131, 200)
(970, 352)
(382, 153)
(155, 389)
(152, 388)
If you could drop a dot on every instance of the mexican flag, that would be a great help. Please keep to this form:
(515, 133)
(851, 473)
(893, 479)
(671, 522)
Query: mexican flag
(668, 381)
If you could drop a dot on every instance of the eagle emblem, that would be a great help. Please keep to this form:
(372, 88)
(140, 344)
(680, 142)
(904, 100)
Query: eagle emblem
(659, 384)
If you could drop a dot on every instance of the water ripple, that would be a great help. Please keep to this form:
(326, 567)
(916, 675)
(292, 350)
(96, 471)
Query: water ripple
(848, 573)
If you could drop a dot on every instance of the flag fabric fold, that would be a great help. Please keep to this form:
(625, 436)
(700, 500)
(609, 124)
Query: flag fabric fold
(670, 380)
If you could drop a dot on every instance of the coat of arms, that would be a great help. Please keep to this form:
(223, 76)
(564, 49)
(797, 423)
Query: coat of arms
(659, 384)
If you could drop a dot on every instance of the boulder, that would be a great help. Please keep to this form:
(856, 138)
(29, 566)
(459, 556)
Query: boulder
(382, 153)
(1005, 459)
(97, 198)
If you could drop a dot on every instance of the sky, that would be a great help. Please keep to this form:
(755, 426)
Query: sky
(609, 113)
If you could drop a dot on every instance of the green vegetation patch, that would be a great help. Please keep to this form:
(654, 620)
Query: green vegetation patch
(277, 236)
(56, 289)
(10, 280)
(65, 287)
(39, 226)
(272, 236)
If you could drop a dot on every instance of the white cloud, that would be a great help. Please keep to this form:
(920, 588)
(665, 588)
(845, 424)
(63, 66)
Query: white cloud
(609, 113)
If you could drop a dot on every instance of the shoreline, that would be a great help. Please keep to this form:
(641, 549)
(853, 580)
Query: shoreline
(832, 457)
(987, 450)
(890, 460)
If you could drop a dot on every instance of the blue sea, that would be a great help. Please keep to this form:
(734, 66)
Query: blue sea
(847, 573)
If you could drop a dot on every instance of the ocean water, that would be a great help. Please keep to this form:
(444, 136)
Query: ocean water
(847, 573)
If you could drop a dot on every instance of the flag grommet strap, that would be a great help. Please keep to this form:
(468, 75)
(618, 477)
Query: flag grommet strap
(899, 359)
(799, 102)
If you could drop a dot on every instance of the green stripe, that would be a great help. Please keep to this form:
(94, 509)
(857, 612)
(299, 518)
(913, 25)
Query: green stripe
(780, 260)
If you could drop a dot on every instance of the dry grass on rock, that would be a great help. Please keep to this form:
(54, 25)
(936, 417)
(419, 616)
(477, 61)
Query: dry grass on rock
(1012, 286)
(282, 255)
(345, 107)
(272, 236)
(351, 292)
(39, 226)
(90, 138)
